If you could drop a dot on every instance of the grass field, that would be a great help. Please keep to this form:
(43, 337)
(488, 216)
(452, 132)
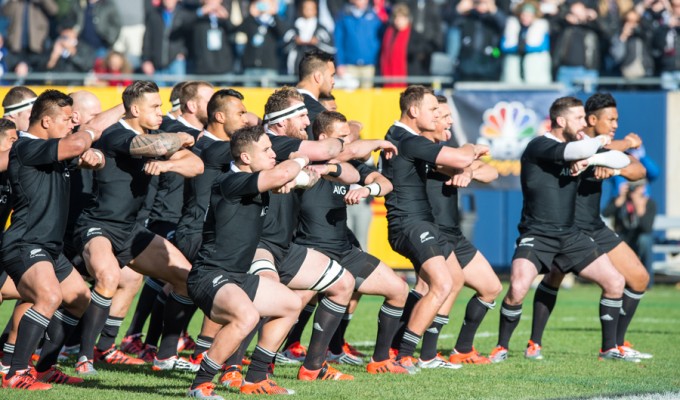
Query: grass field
(570, 368)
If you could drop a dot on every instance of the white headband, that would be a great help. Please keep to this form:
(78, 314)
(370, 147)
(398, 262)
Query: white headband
(19, 107)
(175, 105)
(290, 112)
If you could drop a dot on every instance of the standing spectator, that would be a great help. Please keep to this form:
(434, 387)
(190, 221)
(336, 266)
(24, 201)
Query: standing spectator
(236, 10)
(130, 40)
(115, 63)
(329, 10)
(306, 34)
(27, 33)
(634, 212)
(481, 27)
(526, 46)
(426, 20)
(98, 24)
(210, 50)
(164, 50)
(577, 50)
(70, 54)
(264, 29)
(631, 47)
(667, 48)
(611, 14)
(404, 51)
(357, 39)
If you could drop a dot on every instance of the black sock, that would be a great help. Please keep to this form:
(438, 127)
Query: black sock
(631, 299)
(296, 332)
(241, 352)
(609, 319)
(260, 360)
(237, 357)
(326, 320)
(109, 333)
(428, 350)
(144, 305)
(510, 316)
(544, 302)
(7, 354)
(388, 322)
(408, 344)
(203, 343)
(5, 332)
(185, 329)
(206, 372)
(74, 339)
(474, 314)
(31, 329)
(93, 322)
(61, 326)
(153, 333)
(177, 310)
(338, 339)
(411, 300)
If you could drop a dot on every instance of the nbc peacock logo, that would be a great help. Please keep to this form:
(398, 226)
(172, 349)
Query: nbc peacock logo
(507, 128)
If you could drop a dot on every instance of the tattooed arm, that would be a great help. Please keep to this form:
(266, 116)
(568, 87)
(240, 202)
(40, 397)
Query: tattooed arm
(158, 145)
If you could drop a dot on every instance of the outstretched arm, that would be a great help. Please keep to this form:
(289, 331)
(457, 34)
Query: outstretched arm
(281, 175)
(376, 185)
(159, 145)
(362, 149)
(183, 162)
(75, 144)
(337, 172)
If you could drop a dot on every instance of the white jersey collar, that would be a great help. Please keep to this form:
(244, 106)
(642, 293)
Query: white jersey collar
(186, 123)
(211, 136)
(308, 93)
(404, 126)
(27, 135)
(128, 127)
(553, 137)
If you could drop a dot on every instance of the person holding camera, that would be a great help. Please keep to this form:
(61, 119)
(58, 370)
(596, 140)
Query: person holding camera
(634, 212)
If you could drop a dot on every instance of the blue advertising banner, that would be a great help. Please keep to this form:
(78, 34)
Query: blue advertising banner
(506, 122)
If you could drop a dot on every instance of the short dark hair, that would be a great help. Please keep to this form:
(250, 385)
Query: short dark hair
(189, 92)
(325, 120)
(47, 104)
(413, 96)
(325, 97)
(177, 90)
(6, 125)
(280, 99)
(136, 91)
(313, 61)
(16, 95)
(561, 105)
(218, 101)
(599, 101)
(243, 138)
(441, 99)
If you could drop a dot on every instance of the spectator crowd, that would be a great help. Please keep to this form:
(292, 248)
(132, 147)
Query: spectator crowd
(514, 41)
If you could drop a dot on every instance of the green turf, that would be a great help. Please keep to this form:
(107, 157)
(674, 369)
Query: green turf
(570, 368)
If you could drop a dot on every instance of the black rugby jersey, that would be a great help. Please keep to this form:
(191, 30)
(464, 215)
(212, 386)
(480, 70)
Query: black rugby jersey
(167, 204)
(121, 186)
(323, 214)
(443, 199)
(5, 200)
(216, 156)
(40, 190)
(588, 199)
(282, 218)
(233, 224)
(408, 200)
(314, 108)
(548, 188)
